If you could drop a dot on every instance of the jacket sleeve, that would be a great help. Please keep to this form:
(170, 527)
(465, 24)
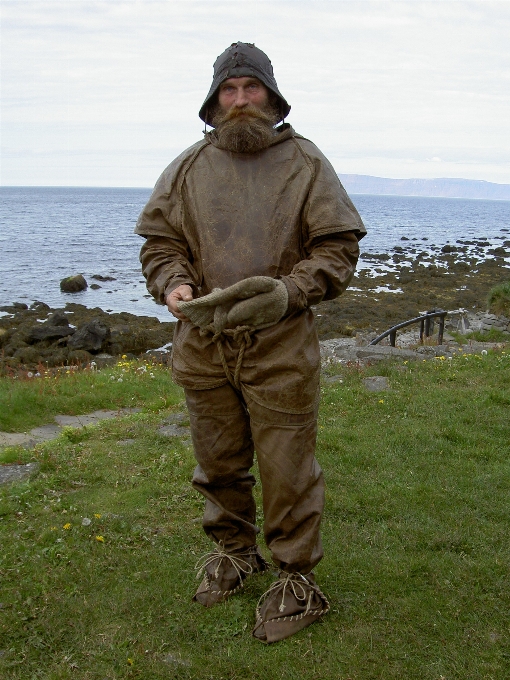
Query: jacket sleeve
(165, 256)
(166, 265)
(325, 273)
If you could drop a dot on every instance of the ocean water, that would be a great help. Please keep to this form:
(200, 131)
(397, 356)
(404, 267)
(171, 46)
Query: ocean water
(49, 233)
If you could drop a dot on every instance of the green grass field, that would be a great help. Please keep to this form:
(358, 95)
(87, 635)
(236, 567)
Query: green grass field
(98, 549)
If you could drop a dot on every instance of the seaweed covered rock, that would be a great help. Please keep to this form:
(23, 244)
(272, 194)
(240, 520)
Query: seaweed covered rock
(73, 284)
(39, 336)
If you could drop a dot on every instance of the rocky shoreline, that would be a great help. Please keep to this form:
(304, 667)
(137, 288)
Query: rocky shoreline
(38, 337)
(397, 286)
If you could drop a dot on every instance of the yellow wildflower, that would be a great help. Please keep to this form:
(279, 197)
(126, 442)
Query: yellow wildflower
(381, 401)
(97, 515)
(67, 526)
(100, 539)
(130, 662)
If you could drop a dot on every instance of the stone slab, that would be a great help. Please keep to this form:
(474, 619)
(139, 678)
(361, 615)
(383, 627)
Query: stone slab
(17, 473)
(376, 383)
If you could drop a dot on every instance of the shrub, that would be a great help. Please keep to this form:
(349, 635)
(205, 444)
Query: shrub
(499, 299)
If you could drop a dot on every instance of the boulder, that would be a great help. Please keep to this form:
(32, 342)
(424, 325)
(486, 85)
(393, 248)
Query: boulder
(73, 284)
(15, 307)
(90, 336)
(48, 331)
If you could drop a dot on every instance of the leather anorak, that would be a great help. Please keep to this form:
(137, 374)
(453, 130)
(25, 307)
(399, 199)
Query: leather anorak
(217, 217)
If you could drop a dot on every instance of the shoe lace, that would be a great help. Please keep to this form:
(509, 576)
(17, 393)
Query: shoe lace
(242, 567)
(296, 583)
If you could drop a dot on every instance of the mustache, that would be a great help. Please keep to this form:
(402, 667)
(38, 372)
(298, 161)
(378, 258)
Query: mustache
(267, 116)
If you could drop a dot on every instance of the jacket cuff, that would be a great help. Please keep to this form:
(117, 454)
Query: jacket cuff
(295, 304)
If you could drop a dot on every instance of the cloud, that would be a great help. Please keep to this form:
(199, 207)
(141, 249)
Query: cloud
(407, 79)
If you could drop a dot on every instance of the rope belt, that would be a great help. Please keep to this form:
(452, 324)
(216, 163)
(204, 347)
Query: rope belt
(242, 337)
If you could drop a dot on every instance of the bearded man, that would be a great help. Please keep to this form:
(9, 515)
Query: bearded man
(245, 231)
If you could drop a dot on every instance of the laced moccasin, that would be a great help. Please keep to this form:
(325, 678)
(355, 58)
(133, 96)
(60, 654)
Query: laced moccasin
(224, 573)
(292, 602)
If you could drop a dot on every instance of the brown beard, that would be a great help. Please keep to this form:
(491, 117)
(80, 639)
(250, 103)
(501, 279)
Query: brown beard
(245, 130)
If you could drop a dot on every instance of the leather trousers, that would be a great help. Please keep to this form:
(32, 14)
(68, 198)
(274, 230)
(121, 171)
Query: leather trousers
(227, 428)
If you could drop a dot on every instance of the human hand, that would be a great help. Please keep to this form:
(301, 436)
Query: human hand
(180, 294)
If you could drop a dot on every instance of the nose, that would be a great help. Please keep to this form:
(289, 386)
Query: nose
(241, 98)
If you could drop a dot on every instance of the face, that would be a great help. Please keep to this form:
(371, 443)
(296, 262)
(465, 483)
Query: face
(241, 92)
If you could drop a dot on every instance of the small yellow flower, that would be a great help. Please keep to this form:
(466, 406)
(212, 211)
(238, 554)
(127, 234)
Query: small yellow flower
(67, 526)
(130, 662)
(53, 528)
(124, 356)
(381, 401)
(97, 515)
(100, 539)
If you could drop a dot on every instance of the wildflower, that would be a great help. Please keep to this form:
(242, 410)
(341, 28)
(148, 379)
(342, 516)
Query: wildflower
(119, 380)
(67, 526)
(130, 662)
(152, 375)
(484, 352)
(53, 528)
(97, 515)
(86, 522)
(37, 375)
(112, 377)
(124, 356)
(100, 539)
(381, 401)
(30, 374)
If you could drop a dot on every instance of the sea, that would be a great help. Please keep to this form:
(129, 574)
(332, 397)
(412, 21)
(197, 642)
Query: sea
(49, 233)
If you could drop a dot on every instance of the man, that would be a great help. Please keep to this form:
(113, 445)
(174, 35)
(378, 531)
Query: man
(245, 231)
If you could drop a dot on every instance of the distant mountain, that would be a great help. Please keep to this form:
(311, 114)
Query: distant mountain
(446, 188)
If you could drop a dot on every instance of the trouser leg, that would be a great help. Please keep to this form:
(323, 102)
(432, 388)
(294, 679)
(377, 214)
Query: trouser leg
(292, 486)
(223, 446)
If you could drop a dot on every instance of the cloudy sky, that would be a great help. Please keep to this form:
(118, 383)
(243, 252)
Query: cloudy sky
(106, 93)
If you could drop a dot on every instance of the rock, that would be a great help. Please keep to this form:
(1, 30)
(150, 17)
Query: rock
(39, 307)
(176, 418)
(174, 431)
(48, 331)
(58, 318)
(98, 277)
(28, 355)
(449, 249)
(90, 336)
(15, 307)
(79, 357)
(17, 473)
(376, 383)
(73, 284)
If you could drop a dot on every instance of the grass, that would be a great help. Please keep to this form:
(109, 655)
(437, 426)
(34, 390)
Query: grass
(415, 533)
(494, 335)
(33, 400)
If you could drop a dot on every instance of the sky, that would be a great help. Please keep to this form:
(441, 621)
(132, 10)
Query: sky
(107, 93)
